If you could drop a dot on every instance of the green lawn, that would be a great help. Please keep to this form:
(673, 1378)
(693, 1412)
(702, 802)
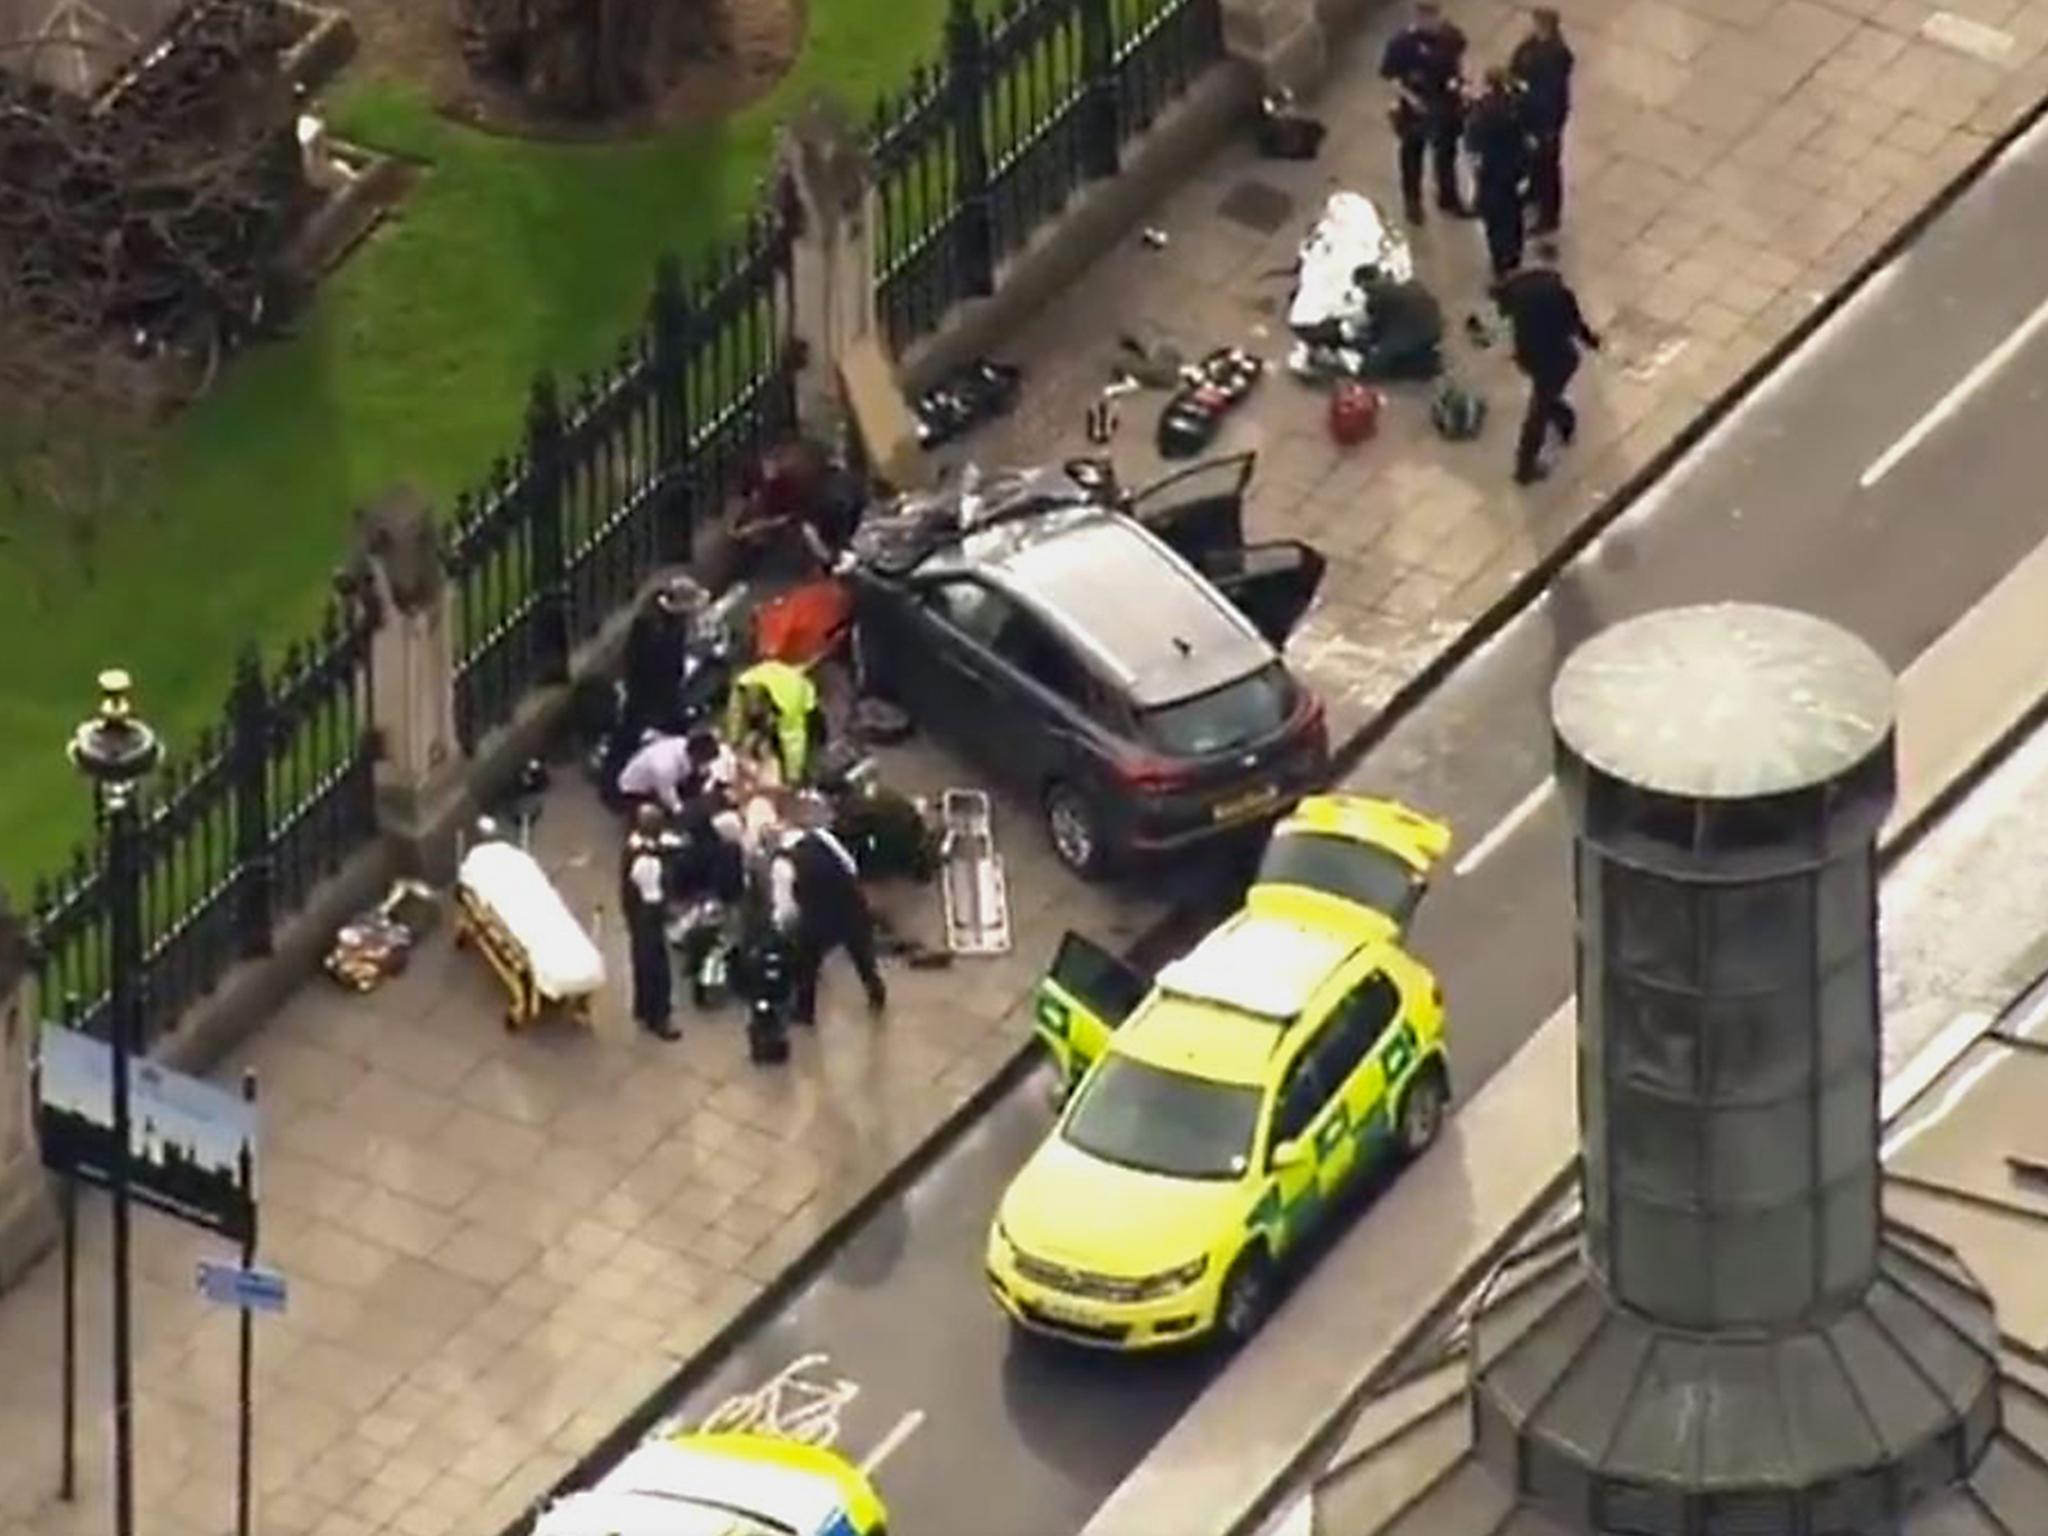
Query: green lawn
(412, 366)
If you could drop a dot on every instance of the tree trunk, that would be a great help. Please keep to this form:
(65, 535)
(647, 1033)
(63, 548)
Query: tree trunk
(583, 57)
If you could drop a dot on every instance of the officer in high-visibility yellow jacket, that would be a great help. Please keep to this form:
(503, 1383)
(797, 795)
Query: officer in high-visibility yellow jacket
(779, 701)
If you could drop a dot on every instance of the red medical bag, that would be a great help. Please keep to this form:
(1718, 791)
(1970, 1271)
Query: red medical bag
(1354, 412)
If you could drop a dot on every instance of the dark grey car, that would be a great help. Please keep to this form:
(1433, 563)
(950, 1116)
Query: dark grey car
(1115, 657)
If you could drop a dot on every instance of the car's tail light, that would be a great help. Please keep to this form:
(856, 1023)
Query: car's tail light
(1314, 726)
(1146, 774)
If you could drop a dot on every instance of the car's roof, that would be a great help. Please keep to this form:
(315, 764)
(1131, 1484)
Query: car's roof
(1262, 963)
(1224, 1009)
(1139, 612)
(727, 1473)
(1201, 1039)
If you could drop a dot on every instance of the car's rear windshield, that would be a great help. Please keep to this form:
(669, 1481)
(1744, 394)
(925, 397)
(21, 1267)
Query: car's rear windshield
(1345, 868)
(1248, 710)
(1157, 1121)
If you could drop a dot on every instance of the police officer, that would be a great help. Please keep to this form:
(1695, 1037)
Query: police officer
(1425, 60)
(1542, 64)
(656, 646)
(1548, 326)
(816, 897)
(1500, 144)
(642, 897)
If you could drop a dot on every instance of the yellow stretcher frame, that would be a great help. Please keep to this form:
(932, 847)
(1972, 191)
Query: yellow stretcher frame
(476, 924)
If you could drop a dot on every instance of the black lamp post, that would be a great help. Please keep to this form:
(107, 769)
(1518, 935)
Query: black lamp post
(115, 751)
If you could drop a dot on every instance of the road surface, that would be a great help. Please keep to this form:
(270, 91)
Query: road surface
(1885, 479)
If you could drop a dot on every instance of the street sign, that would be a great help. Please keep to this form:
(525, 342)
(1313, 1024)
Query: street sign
(249, 1290)
(190, 1142)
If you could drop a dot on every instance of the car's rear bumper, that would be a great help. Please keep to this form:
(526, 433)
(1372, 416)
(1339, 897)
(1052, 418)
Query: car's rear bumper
(1172, 823)
(1121, 1327)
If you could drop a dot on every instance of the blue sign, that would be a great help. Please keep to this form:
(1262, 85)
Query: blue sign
(248, 1290)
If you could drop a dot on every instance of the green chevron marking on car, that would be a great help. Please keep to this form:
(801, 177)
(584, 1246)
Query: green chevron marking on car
(1303, 1213)
(1267, 1214)
(1373, 1131)
(1334, 1130)
(1054, 1015)
(1399, 1055)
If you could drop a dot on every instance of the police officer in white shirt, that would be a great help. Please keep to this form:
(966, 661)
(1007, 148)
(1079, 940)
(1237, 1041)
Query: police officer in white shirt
(815, 895)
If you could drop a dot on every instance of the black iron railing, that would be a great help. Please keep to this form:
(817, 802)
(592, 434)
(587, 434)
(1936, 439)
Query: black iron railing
(1021, 111)
(607, 485)
(236, 833)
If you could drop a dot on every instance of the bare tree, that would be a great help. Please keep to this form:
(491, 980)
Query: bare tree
(140, 223)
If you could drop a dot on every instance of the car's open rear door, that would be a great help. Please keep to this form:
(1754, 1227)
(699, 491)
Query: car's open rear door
(1198, 511)
(1086, 995)
(1270, 584)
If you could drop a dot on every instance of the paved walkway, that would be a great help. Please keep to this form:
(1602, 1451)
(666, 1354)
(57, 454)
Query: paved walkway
(1729, 163)
(497, 1246)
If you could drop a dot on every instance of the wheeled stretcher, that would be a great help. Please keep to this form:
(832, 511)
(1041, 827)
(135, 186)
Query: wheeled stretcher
(511, 911)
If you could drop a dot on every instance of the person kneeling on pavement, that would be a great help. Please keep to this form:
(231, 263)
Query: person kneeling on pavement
(775, 714)
(668, 770)
(816, 899)
(1404, 330)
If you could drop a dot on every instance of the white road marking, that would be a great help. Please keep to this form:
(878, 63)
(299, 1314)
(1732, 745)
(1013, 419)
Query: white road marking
(1504, 829)
(1944, 1050)
(892, 1442)
(787, 1405)
(1951, 402)
(1899, 1140)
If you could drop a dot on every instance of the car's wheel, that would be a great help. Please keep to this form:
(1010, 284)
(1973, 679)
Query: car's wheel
(877, 722)
(1074, 826)
(1246, 1298)
(870, 669)
(1422, 1111)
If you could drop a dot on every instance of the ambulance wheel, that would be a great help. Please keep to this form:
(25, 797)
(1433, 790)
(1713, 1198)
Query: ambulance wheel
(870, 671)
(1422, 1111)
(1247, 1297)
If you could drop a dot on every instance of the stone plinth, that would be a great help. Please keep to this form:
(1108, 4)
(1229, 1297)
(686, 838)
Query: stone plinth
(825, 170)
(1283, 39)
(421, 780)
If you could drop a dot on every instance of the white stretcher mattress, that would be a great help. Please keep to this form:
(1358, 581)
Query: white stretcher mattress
(509, 883)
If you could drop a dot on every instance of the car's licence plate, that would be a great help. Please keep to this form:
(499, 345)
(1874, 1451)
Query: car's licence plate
(1062, 1312)
(1244, 805)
